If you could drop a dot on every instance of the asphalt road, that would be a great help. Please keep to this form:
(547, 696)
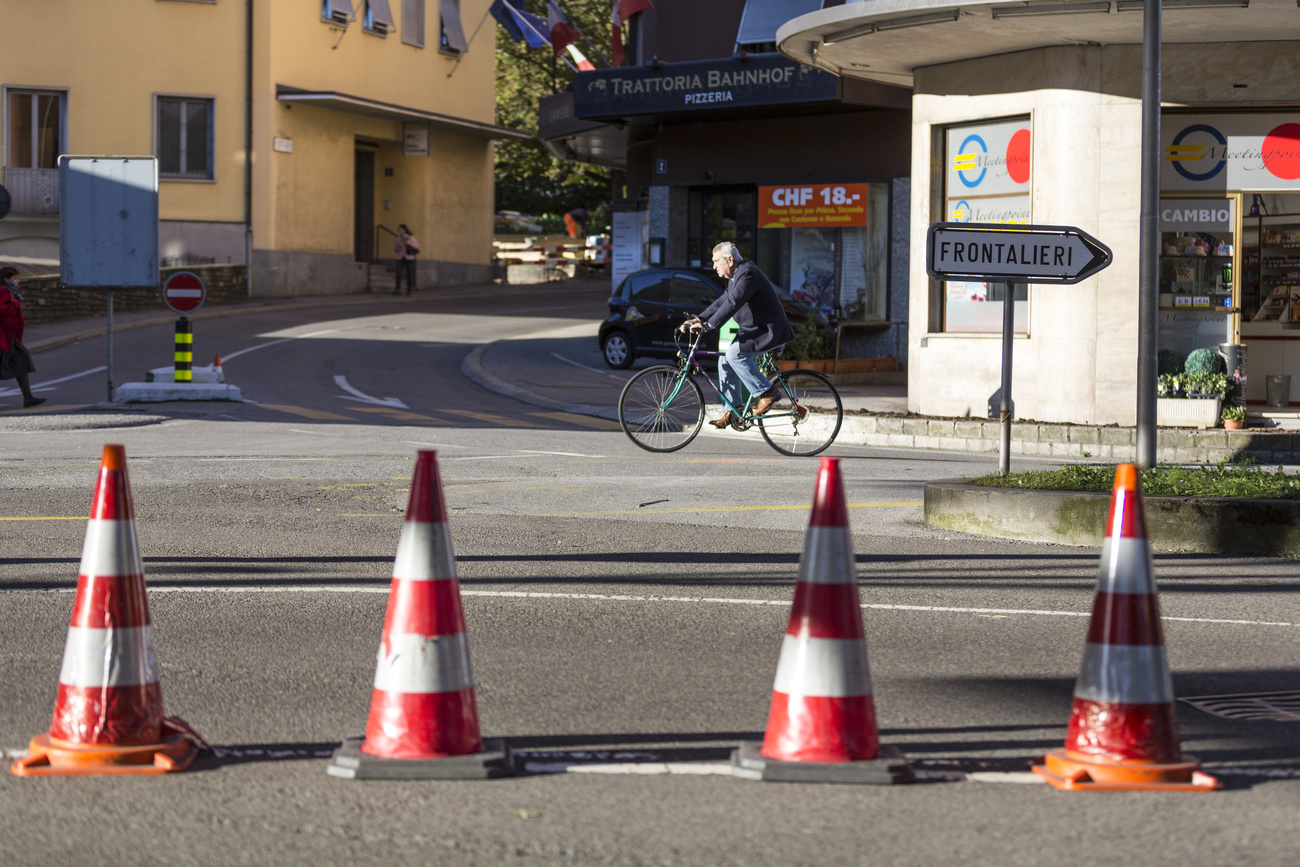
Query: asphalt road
(624, 609)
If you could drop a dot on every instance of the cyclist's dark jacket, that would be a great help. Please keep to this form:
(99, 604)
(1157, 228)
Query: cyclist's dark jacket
(752, 300)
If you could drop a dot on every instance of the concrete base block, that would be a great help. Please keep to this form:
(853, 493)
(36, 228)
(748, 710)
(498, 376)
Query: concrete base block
(162, 392)
(890, 768)
(350, 763)
(207, 375)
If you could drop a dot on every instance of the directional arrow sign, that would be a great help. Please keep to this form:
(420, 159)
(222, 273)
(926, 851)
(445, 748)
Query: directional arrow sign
(1018, 253)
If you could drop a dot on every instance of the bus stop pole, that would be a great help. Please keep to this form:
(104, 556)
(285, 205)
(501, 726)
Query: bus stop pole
(1008, 333)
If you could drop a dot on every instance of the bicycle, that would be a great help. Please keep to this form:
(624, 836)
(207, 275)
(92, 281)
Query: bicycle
(662, 408)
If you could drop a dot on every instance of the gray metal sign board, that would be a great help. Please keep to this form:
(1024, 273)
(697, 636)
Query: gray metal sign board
(1015, 253)
(108, 222)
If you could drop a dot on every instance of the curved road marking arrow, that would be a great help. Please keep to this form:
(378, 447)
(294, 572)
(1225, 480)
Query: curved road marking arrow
(342, 382)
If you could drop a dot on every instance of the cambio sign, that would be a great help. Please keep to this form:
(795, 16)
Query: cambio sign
(1230, 152)
(1196, 215)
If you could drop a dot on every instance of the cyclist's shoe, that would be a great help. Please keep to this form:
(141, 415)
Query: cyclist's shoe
(766, 399)
(722, 422)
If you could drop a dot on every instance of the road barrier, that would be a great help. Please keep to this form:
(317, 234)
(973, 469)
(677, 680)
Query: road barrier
(108, 716)
(1123, 732)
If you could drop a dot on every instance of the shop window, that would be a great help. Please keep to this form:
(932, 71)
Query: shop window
(761, 18)
(183, 133)
(377, 18)
(720, 214)
(413, 22)
(451, 36)
(985, 178)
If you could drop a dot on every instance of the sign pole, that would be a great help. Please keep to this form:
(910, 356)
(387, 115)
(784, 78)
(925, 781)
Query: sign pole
(1008, 335)
(109, 293)
(1149, 238)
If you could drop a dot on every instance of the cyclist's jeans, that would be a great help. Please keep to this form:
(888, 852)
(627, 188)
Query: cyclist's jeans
(736, 368)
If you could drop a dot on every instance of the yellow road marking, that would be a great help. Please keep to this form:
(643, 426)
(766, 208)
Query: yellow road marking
(401, 414)
(583, 420)
(78, 518)
(318, 414)
(803, 506)
(49, 407)
(493, 418)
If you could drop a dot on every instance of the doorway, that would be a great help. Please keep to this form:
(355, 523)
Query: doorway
(363, 209)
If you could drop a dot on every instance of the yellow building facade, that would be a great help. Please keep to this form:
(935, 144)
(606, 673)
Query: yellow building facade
(293, 135)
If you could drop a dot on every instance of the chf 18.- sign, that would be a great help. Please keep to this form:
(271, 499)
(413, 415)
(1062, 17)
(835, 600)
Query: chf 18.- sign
(1015, 253)
(183, 292)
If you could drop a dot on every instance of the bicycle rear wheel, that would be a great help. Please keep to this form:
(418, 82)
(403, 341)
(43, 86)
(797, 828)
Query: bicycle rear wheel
(661, 409)
(806, 417)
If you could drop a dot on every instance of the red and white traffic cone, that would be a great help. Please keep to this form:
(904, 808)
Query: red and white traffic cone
(423, 716)
(822, 723)
(108, 716)
(1123, 734)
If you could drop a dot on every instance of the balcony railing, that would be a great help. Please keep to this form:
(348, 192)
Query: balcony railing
(35, 192)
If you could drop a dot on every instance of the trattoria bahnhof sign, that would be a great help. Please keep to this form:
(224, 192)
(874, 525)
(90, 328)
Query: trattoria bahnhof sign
(760, 79)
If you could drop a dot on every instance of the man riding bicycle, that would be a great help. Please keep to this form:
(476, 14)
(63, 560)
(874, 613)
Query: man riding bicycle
(752, 300)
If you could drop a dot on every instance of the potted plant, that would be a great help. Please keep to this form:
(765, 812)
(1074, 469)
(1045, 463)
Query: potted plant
(1234, 417)
(1194, 397)
(809, 349)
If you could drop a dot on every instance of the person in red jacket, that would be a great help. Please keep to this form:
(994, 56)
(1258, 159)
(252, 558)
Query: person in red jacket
(15, 360)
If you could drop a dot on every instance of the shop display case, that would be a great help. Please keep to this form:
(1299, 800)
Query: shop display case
(1199, 269)
(1196, 271)
(1271, 285)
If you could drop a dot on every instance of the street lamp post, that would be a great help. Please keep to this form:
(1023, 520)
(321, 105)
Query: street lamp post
(1149, 237)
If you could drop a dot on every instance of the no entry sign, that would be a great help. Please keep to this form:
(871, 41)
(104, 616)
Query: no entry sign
(183, 292)
(1023, 254)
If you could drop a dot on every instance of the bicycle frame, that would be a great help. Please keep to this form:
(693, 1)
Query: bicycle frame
(688, 359)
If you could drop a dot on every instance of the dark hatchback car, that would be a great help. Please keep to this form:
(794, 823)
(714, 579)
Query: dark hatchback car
(648, 305)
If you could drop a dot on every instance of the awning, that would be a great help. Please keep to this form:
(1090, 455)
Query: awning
(602, 144)
(332, 99)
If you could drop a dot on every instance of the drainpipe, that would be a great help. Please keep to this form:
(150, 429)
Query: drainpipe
(248, 151)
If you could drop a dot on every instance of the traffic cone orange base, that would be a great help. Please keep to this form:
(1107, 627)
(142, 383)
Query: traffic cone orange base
(47, 757)
(888, 768)
(351, 763)
(1072, 772)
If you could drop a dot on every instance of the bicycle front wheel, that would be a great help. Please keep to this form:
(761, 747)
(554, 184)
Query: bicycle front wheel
(661, 409)
(806, 417)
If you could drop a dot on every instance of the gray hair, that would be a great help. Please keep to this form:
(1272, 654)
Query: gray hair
(727, 250)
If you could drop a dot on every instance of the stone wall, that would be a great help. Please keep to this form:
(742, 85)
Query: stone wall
(45, 301)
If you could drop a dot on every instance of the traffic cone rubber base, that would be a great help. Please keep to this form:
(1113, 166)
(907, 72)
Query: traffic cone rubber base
(350, 763)
(47, 757)
(1073, 772)
(889, 768)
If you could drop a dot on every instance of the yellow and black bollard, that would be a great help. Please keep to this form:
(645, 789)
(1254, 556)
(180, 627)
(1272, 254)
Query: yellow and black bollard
(184, 351)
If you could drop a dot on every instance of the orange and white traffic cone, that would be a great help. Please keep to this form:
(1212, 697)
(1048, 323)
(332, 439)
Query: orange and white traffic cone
(822, 723)
(423, 717)
(1123, 734)
(108, 716)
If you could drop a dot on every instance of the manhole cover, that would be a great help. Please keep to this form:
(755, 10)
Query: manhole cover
(1276, 706)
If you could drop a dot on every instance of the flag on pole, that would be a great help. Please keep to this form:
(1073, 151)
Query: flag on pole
(628, 8)
(501, 11)
(584, 65)
(616, 37)
(562, 32)
(535, 28)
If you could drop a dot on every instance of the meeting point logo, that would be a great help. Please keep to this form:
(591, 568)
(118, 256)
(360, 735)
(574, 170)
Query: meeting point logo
(1201, 152)
(973, 160)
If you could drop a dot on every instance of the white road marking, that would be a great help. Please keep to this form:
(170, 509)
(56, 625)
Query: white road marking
(314, 433)
(585, 367)
(45, 385)
(698, 600)
(226, 358)
(721, 769)
(342, 382)
(563, 454)
(433, 445)
(1022, 777)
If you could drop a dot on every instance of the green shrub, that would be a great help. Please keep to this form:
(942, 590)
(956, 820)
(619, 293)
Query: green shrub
(1170, 362)
(810, 342)
(1204, 360)
(1224, 480)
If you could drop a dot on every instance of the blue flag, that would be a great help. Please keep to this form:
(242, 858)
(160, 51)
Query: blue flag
(500, 10)
(536, 30)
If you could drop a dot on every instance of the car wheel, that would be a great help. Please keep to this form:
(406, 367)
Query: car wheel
(617, 350)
